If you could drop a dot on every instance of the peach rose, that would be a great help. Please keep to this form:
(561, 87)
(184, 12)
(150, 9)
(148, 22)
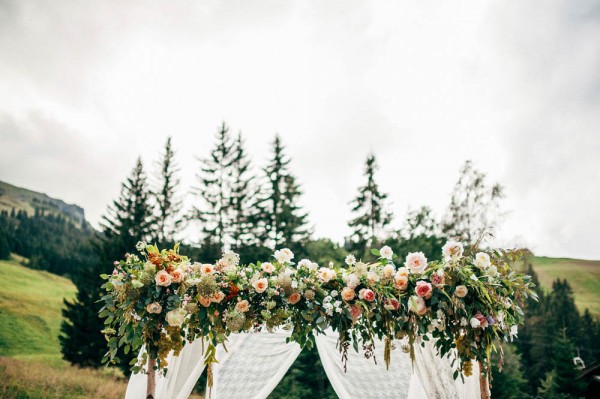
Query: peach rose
(163, 278)
(207, 268)
(348, 294)
(452, 250)
(177, 275)
(400, 282)
(294, 298)
(242, 306)
(403, 271)
(309, 294)
(424, 289)
(461, 291)
(218, 297)
(154, 307)
(261, 285)
(366, 294)
(204, 301)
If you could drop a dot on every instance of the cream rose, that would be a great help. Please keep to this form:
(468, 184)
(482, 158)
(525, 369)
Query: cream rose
(284, 255)
(416, 304)
(163, 278)
(207, 268)
(326, 274)
(175, 317)
(452, 250)
(482, 260)
(352, 281)
(361, 269)
(461, 291)
(388, 271)
(154, 307)
(260, 285)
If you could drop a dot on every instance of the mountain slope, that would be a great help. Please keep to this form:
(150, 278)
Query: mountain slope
(582, 275)
(13, 197)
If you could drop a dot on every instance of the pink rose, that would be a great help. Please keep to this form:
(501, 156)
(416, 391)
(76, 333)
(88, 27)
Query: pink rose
(366, 294)
(391, 304)
(177, 276)
(483, 322)
(163, 278)
(294, 298)
(437, 280)
(348, 294)
(242, 306)
(424, 289)
(355, 312)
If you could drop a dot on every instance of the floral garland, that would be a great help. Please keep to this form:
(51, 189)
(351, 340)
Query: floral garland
(468, 302)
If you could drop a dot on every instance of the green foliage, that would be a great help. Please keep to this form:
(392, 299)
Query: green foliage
(128, 221)
(242, 231)
(510, 383)
(279, 217)
(370, 210)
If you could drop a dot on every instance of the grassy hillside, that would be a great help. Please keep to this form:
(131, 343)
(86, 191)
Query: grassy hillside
(582, 275)
(30, 360)
(13, 197)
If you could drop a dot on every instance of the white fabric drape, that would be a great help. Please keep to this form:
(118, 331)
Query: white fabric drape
(183, 372)
(364, 379)
(435, 375)
(253, 366)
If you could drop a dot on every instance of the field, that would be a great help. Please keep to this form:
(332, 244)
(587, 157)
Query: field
(30, 361)
(582, 275)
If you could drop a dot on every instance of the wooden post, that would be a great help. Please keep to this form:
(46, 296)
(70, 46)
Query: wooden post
(484, 384)
(151, 383)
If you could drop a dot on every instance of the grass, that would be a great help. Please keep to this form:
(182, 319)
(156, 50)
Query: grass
(582, 275)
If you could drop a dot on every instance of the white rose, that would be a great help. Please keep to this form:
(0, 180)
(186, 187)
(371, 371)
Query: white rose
(386, 252)
(475, 323)
(492, 271)
(416, 262)
(360, 269)
(352, 281)
(267, 267)
(482, 260)
(284, 255)
(175, 317)
(452, 250)
(388, 271)
(326, 274)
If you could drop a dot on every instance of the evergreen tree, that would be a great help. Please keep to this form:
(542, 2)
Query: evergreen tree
(214, 191)
(241, 230)
(279, 216)
(168, 220)
(510, 383)
(369, 207)
(473, 206)
(128, 221)
(4, 234)
(419, 232)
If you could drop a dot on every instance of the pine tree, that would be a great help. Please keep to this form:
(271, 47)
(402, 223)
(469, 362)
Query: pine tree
(279, 216)
(370, 209)
(241, 229)
(128, 221)
(473, 207)
(168, 220)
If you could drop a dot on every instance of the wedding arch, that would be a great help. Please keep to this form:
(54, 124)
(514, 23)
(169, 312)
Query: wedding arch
(249, 322)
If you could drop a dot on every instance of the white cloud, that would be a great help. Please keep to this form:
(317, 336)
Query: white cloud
(90, 86)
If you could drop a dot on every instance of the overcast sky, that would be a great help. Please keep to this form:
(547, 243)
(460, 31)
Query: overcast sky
(86, 87)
